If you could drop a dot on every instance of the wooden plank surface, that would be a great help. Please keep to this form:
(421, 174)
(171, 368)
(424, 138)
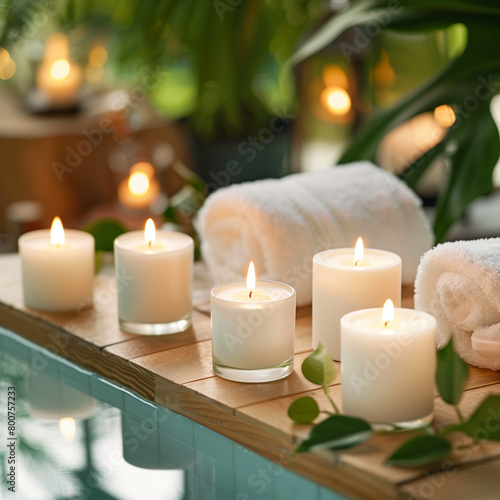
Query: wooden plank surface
(175, 371)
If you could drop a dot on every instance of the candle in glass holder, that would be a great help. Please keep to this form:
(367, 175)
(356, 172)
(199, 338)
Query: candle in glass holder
(345, 280)
(57, 78)
(140, 189)
(57, 268)
(253, 329)
(388, 365)
(154, 272)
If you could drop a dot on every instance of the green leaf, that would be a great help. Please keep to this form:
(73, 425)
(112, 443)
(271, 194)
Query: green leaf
(319, 368)
(484, 423)
(104, 233)
(337, 432)
(472, 164)
(303, 410)
(420, 450)
(451, 374)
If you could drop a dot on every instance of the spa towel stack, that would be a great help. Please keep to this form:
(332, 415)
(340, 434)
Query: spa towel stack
(281, 223)
(459, 284)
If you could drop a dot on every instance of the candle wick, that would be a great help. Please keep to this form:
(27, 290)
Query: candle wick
(356, 262)
(149, 243)
(386, 323)
(250, 294)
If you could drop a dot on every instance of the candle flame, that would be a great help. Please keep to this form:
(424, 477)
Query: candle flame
(67, 426)
(388, 312)
(150, 232)
(138, 183)
(251, 279)
(60, 69)
(358, 251)
(57, 232)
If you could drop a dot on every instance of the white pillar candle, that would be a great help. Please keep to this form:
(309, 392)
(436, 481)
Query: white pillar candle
(345, 280)
(57, 268)
(154, 272)
(388, 365)
(253, 330)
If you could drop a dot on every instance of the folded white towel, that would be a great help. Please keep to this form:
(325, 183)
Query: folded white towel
(281, 224)
(459, 284)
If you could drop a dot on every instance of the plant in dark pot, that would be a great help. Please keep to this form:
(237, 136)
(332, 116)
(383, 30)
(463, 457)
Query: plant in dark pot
(218, 65)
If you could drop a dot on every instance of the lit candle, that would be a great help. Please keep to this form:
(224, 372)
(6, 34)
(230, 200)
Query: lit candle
(57, 268)
(154, 272)
(388, 365)
(253, 329)
(140, 188)
(56, 77)
(346, 280)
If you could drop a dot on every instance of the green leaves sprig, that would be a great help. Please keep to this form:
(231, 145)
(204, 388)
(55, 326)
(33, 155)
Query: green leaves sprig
(339, 432)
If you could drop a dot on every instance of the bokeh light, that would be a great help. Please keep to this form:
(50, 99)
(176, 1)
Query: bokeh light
(138, 183)
(336, 100)
(444, 116)
(60, 69)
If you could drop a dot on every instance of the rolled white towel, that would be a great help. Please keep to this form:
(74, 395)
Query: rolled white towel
(281, 224)
(459, 284)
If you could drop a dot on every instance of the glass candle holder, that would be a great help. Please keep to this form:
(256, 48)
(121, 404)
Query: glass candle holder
(253, 334)
(154, 282)
(388, 366)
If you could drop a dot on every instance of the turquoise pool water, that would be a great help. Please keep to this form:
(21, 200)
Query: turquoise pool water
(71, 434)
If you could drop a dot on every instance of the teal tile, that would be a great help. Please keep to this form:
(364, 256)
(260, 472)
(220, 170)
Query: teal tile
(140, 408)
(106, 391)
(326, 494)
(214, 445)
(137, 435)
(278, 495)
(207, 490)
(44, 361)
(296, 486)
(16, 348)
(251, 486)
(215, 472)
(286, 483)
(75, 376)
(176, 425)
(176, 452)
(246, 460)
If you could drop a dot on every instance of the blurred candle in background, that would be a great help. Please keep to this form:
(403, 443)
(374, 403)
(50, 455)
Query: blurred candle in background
(57, 78)
(141, 188)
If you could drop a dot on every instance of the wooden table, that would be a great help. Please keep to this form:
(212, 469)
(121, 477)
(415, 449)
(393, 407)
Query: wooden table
(175, 371)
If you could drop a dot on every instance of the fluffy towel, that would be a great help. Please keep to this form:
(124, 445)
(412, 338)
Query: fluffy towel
(459, 284)
(281, 223)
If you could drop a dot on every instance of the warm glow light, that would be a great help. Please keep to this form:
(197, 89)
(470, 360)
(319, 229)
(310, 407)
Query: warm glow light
(388, 312)
(358, 251)
(57, 232)
(98, 56)
(138, 183)
(144, 167)
(150, 232)
(67, 426)
(251, 279)
(60, 69)
(444, 116)
(337, 100)
(334, 76)
(7, 65)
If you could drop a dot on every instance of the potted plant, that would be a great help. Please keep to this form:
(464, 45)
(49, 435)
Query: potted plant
(467, 84)
(217, 64)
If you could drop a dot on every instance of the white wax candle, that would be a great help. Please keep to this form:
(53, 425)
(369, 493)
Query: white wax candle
(49, 397)
(154, 282)
(57, 276)
(253, 333)
(388, 371)
(340, 286)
